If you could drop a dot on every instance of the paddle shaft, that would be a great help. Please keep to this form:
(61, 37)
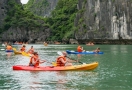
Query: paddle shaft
(74, 60)
(60, 53)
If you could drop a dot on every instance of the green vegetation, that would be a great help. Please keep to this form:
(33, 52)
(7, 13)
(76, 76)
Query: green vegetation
(36, 6)
(62, 20)
(18, 17)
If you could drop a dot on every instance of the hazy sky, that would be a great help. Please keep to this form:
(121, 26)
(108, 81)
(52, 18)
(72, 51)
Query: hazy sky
(24, 1)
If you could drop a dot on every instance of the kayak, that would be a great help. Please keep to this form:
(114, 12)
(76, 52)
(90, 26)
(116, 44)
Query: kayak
(8, 50)
(26, 54)
(17, 52)
(84, 52)
(81, 67)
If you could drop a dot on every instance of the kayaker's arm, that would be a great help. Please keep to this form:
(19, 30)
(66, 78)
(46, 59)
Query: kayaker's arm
(61, 59)
(42, 61)
(70, 60)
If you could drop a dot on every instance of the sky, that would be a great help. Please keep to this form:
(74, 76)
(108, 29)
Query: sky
(24, 1)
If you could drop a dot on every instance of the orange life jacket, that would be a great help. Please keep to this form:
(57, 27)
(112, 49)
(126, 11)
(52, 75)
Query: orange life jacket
(58, 61)
(79, 49)
(8, 48)
(34, 58)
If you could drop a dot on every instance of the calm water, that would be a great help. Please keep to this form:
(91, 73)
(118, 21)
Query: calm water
(113, 73)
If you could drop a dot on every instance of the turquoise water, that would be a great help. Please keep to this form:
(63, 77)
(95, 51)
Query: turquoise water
(113, 73)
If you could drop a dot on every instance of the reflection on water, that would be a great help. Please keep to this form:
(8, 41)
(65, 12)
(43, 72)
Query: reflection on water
(8, 54)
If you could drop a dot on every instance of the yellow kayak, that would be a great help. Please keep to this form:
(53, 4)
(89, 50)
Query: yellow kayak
(26, 54)
(17, 52)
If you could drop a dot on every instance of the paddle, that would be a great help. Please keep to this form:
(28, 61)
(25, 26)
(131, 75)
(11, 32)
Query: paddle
(53, 63)
(2, 49)
(60, 53)
(14, 49)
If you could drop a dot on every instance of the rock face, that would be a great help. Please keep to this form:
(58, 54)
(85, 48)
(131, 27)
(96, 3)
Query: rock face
(22, 34)
(3, 4)
(96, 19)
(3, 9)
(104, 19)
(30, 34)
(42, 7)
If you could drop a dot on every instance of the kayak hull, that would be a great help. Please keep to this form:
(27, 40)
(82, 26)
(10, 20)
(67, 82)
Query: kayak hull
(85, 52)
(17, 52)
(83, 67)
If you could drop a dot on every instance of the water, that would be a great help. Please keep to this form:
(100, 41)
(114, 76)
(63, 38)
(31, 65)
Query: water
(113, 73)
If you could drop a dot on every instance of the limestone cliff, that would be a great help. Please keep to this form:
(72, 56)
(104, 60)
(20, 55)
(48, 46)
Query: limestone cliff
(41, 7)
(21, 25)
(104, 19)
(3, 10)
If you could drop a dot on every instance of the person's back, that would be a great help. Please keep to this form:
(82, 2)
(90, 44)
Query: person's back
(23, 48)
(79, 49)
(34, 60)
(97, 50)
(63, 60)
(31, 50)
(59, 61)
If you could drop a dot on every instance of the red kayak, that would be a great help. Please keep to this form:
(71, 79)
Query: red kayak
(90, 66)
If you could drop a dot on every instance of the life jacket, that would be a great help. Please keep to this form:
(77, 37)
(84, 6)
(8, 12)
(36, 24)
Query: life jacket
(79, 49)
(8, 48)
(22, 49)
(34, 58)
(58, 61)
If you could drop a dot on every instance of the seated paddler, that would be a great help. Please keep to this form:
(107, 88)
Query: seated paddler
(63, 60)
(35, 61)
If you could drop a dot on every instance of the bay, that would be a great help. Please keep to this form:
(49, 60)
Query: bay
(113, 73)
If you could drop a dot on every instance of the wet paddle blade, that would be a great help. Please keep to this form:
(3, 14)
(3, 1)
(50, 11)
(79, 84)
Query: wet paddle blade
(14, 49)
(59, 53)
(54, 64)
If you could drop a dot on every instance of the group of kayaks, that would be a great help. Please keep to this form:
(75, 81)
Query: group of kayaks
(18, 52)
(83, 66)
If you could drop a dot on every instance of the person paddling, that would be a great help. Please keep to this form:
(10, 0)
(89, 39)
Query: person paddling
(8, 47)
(31, 50)
(80, 48)
(97, 50)
(63, 60)
(35, 61)
(23, 48)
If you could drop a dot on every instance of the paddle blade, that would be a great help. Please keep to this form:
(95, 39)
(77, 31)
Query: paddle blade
(2, 49)
(54, 64)
(59, 53)
(14, 49)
